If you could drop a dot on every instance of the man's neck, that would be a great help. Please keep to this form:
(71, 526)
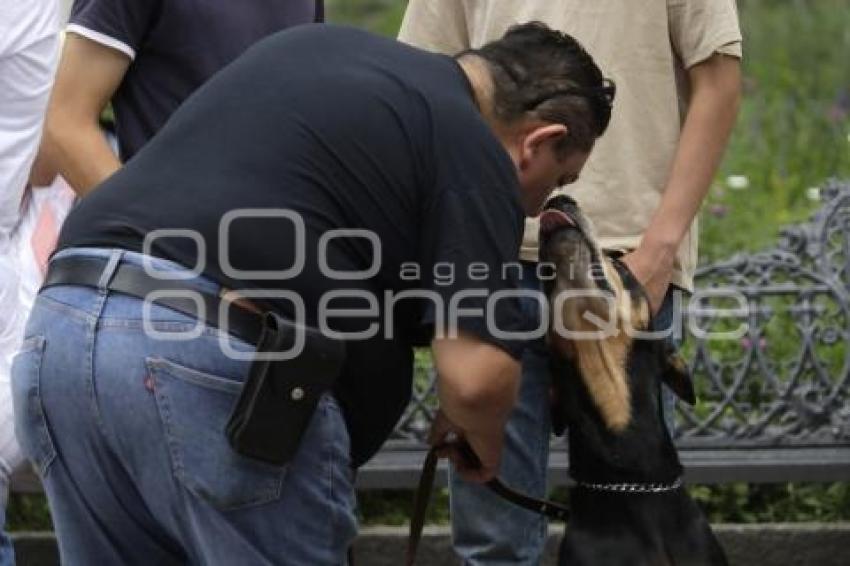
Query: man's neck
(478, 74)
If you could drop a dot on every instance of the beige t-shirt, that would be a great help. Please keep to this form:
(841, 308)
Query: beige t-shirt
(645, 46)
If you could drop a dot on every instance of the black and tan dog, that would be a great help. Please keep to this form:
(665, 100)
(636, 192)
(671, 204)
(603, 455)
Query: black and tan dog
(628, 506)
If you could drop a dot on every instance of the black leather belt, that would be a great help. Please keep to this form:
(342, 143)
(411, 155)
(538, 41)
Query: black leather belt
(132, 280)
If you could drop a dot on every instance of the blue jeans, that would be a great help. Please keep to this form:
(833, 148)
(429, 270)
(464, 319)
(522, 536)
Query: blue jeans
(488, 530)
(124, 422)
(7, 548)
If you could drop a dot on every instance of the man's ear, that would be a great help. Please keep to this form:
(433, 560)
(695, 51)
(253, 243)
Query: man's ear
(538, 136)
(675, 374)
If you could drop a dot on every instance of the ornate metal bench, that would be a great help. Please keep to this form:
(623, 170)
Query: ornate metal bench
(773, 400)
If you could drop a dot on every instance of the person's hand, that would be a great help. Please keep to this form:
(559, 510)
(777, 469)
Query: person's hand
(474, 457)
(653, 268)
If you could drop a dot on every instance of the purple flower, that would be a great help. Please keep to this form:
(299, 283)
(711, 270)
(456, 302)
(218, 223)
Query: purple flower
(747, 343)
(836, 114)
(840, 108)
(718, 210)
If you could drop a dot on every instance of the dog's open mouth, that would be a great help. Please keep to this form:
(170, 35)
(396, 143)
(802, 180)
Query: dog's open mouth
(553, 219)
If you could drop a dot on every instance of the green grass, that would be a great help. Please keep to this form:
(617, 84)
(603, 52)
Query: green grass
(774, 503)
(793, 131)
(379, 16)
(395, 507)
(28, 513)
(728, 503)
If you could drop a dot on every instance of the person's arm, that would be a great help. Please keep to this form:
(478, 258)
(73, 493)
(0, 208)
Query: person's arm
(477, 385)
(89, 74)
(714, 101)
(43, 171)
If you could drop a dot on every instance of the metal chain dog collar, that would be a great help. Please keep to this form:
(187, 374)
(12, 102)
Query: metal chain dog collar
(632, 487)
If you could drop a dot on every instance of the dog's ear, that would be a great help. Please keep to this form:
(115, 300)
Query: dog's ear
(676, 375)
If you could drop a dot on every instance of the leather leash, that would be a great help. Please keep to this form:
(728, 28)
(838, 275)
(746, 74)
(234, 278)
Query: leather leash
(545, 507)
(420, 505)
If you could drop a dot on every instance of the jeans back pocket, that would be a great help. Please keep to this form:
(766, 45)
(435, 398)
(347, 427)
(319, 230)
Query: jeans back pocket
(194, 408)
(31, 427)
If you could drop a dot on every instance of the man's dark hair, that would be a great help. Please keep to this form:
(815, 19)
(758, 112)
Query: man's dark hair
(547, 74)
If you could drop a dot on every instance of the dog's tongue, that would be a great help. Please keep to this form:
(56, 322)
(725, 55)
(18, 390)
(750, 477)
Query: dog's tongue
(552, 219)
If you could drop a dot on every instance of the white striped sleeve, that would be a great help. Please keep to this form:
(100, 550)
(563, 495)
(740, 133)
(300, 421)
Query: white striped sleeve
(102, 39)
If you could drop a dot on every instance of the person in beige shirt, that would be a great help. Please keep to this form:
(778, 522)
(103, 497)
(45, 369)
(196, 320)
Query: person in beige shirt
(676, 64)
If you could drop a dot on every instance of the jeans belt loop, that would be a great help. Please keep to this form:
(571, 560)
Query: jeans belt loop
(110, 269)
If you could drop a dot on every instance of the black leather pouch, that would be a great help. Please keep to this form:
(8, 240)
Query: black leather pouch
(279, 397)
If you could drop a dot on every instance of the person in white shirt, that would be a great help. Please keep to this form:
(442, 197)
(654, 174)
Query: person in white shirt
(29, 50)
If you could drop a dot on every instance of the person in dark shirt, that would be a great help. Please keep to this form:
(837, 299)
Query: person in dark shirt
(349, 183)
(146, 57)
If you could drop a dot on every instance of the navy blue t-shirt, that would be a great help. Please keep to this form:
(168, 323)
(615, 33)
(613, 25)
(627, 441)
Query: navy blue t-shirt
(339, 129)
(175, 46)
